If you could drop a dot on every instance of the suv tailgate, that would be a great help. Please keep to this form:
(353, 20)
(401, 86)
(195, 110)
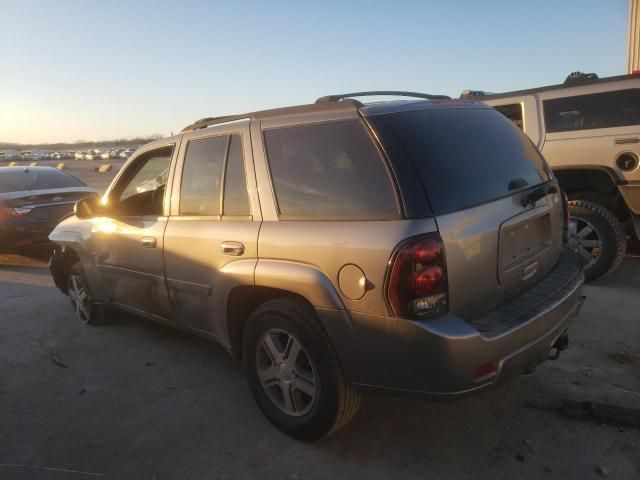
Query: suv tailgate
(498, 209)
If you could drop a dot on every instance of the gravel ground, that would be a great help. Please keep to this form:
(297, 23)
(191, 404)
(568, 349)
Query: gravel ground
(138, 400)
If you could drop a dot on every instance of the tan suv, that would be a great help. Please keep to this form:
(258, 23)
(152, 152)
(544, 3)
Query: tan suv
(404, 246)
(588, 129)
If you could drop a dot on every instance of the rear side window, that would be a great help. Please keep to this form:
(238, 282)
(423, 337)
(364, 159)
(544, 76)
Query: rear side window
(201, 176)
(329, 171)
(36, 179)
(598, 110)
(467, 156)
(236, 198)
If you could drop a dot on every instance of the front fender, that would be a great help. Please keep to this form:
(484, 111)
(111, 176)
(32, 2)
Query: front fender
(74, 236)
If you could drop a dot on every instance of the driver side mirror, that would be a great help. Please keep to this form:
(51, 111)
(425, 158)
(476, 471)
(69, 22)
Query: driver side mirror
(90, 207)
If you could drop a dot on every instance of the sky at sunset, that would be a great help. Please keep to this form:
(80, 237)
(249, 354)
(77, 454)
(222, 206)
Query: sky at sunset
(72, 70)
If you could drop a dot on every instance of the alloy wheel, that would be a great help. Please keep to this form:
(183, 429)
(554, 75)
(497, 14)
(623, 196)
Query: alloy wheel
(286, 372)
(79, 296)
(584, 240)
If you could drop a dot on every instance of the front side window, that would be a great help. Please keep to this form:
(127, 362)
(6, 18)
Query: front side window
(329, 171)
(144, 183)
(598, 110)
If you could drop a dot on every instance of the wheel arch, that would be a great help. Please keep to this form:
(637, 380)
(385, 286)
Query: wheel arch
(275, 279)
(60, 266)
(592, 183)
(242, 302)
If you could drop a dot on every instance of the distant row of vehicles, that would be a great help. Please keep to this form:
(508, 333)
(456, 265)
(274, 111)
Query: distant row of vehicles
(111, 154)
(95, 154)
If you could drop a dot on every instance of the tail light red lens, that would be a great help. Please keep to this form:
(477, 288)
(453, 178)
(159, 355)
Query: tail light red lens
(427, 281)
(13, 212)
(417, 285)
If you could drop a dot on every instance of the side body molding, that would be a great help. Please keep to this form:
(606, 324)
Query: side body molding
(303, 279)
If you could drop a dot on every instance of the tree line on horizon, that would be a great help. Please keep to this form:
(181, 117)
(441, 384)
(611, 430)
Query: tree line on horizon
(78, 145)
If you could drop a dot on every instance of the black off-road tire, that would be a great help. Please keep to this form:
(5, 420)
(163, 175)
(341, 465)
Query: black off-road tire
(611, 233)
(336, 401)
(93, 314)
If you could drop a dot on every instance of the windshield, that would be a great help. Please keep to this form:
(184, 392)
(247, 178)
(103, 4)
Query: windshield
(21, 179)
(467, 156)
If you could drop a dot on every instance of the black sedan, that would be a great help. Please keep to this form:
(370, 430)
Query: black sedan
(32, 201)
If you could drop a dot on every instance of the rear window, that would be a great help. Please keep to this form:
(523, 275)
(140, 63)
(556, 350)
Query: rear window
(466, 156)
(329, 171)
(25, 179)
(597, 110)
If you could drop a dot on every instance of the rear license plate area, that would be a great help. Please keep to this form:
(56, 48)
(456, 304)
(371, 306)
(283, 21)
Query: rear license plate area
(522, 241)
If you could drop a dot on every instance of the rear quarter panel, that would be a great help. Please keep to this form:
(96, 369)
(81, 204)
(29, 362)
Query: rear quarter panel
(329, 245)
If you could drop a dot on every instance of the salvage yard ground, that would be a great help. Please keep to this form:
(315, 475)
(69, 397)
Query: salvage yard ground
(138, 400)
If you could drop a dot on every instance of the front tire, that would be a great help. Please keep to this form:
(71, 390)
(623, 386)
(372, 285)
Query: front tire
(294, 373)
(597, 236)
(86, 310)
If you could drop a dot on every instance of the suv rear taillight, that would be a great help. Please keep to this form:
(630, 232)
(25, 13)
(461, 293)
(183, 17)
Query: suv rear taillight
(417, 285)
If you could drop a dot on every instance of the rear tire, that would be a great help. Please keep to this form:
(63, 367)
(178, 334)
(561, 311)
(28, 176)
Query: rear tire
(86, 310)
(320, 399)
(598, 238)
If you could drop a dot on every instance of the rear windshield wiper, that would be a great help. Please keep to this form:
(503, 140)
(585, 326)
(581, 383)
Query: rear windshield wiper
(536, 194)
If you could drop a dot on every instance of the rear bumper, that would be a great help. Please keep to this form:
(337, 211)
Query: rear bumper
(439, 357)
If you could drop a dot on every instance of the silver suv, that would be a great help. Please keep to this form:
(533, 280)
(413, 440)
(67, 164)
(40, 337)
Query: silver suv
(588, 129)
(337, 248)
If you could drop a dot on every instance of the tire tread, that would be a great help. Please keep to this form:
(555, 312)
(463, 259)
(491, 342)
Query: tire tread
(349, 398)
(616, 228)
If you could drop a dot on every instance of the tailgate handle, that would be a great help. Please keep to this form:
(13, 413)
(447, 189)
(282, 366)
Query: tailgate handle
(624, 141)
(149, 242)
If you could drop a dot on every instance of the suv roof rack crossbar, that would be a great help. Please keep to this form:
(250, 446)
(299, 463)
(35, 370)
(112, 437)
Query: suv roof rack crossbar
(395, 93)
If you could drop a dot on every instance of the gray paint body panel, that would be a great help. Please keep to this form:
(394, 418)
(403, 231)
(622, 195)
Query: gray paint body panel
(190, 281)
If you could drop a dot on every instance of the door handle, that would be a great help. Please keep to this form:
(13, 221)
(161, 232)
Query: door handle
(234, 249)
(149, 242)
(625, 141)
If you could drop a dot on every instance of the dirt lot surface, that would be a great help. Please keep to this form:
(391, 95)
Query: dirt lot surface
(136, 400)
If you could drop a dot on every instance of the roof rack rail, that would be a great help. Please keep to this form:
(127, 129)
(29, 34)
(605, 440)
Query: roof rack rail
(206, 122)
(395, 93)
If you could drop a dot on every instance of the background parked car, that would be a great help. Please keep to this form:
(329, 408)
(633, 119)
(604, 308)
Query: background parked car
(126, 153)
(32, 202)
(92, 155)
(9, 156)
